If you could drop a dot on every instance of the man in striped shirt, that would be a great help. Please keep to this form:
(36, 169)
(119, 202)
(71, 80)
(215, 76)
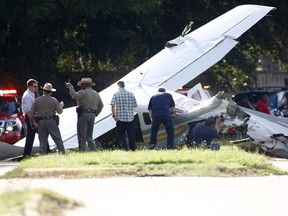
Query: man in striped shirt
(122, 105)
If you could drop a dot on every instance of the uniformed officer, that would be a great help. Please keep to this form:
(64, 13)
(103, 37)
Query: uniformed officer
(45, 108)
(89, 105)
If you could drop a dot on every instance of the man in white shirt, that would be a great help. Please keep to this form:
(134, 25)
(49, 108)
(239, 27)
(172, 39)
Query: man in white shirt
(28, 99)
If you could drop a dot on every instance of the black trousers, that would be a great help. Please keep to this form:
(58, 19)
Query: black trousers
(122, 128)
(30, 136)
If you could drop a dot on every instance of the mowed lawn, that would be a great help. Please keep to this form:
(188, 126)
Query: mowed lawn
(228, 161)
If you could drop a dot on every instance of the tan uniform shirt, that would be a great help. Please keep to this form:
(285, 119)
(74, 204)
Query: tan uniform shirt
(88, 98)
(45, 106)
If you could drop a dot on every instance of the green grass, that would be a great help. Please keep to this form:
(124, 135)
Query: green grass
(35, 202)
(229, 161)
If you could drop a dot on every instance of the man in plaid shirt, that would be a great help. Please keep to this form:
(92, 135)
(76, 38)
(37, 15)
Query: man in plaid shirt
(122, 105)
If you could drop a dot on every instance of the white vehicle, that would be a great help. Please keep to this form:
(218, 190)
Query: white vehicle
(179, 62)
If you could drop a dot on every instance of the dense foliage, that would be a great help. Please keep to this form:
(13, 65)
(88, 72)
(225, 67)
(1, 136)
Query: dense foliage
(43, 39)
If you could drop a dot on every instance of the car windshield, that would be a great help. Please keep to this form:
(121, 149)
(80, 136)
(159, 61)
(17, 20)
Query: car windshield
(7, 105)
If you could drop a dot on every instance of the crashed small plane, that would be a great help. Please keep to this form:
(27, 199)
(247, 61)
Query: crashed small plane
(183, 59)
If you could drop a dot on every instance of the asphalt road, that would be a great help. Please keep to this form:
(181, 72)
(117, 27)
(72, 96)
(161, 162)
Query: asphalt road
(263, 196)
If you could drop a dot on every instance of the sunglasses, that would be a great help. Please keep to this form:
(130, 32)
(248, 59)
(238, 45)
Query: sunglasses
(34, 86)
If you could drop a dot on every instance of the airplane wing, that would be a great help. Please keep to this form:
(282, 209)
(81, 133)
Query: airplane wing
(199, 50)
(269, 119)
(8, 151)
(175, 66)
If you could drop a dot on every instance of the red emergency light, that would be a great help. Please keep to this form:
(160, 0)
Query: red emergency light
(11, 92)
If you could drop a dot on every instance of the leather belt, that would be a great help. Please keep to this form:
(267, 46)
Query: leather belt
(89, 110)
(46, 117)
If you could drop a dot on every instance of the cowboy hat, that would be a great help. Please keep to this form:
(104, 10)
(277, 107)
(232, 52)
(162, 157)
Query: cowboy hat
(48, 87)
(86, 80)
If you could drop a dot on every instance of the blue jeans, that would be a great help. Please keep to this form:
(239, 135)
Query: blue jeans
(169, 126)
(122, 128)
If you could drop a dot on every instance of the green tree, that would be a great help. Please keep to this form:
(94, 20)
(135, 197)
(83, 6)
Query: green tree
(45, 38)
